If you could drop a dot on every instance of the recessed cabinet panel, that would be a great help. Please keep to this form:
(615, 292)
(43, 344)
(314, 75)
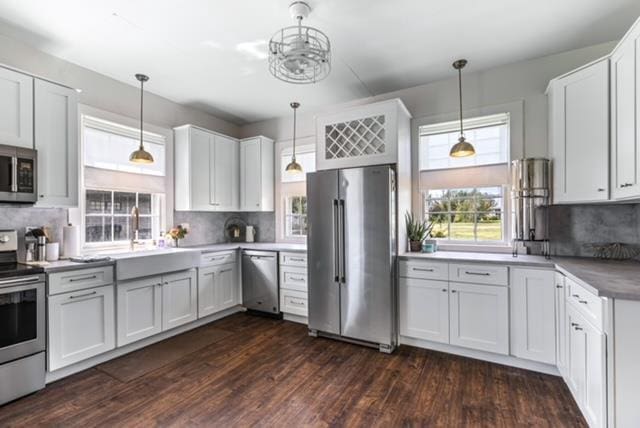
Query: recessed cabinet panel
(200, 146)
(225, 174)
(250, 175)
(56, 140)
(16, 108)
(425, 309)
(579, 134)
(179, 299)
(139, 309)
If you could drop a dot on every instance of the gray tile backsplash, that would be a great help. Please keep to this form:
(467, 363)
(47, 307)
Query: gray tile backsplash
(18, 217)
(208, 227)
(573, 228)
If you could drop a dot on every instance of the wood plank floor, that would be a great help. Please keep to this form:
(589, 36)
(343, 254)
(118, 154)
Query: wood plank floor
(271, 373)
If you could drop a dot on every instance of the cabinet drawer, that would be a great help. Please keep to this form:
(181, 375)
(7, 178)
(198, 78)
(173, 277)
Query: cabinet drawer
(587, 303)
(73, 280)
(293, 259)
(479, 274)
(214, 259)
(424, 270)
(294, 302)
(293, 278)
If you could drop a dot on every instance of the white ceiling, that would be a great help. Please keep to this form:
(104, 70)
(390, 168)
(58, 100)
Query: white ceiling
(210, 54)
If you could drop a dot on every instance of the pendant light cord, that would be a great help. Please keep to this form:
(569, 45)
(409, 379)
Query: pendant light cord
(141, 110)
(460, 92)
(294, 133)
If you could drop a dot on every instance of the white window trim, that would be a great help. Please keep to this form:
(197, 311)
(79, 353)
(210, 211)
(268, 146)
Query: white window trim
(303, 144)
(516, 151)
(76, 215)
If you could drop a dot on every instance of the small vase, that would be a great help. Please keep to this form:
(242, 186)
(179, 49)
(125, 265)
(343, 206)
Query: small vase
(415, 246)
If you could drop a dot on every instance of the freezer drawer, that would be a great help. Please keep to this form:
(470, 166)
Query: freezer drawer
(260, 281)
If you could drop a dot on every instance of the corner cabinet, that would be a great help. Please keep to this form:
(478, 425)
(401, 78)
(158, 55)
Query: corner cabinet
(56, 140)
(16, 108)
(206, 170)
(371, 134)
(625, 117)
(257, 175)
(579, 134)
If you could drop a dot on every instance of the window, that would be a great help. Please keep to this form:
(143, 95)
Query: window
(113, 185)
(471, 215)
(466, 197)
(292, 212)
(108, 215)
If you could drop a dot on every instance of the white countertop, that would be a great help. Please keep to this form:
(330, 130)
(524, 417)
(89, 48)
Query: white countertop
(265, 246)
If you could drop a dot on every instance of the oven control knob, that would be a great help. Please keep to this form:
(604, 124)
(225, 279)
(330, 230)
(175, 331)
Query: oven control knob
(4, 239)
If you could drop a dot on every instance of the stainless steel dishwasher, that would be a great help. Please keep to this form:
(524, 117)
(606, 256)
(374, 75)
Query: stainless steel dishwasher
(260, 282)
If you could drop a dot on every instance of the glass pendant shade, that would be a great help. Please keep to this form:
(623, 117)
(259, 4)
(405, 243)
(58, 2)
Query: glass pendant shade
(141, 155)
(462, 148)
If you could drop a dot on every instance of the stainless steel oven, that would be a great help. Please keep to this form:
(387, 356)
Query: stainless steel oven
(22, 317)
(18, 174)
(22, 323)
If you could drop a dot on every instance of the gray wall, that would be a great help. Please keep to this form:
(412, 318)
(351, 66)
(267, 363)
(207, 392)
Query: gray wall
(574, 228)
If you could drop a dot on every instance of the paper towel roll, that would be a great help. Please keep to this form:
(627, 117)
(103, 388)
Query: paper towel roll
(71, 241)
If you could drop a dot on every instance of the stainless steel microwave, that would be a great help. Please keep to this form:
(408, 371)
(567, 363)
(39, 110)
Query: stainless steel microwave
(18, 179)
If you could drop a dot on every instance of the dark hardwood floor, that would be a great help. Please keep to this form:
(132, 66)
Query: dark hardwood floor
(270, 373)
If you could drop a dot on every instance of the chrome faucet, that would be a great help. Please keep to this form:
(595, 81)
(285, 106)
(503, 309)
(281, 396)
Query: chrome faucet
(135, 225)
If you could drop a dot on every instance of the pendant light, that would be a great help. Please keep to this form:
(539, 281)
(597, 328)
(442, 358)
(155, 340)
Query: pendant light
(294, 167)
(462, 148)
(141, 155)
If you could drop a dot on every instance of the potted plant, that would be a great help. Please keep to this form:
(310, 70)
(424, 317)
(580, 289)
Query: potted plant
(417, 231)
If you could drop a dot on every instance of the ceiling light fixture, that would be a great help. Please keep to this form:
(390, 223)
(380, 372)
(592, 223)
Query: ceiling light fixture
(462, 148)
(141, 155)
(294, 167)
(299, 54)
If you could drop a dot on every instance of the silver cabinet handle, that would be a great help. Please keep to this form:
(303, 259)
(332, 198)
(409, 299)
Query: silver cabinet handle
(444, 290)
(216, 258)
(584, 302)
(575, 295)
(83, 295)
(559, 286)
(225, 270)
(454, 291)
(84, 278)
(422, 269)
(600, 189)
(296, 259)
(296, 278)
(297, 303)
(477, 273)
(626, 185)
(19, 280)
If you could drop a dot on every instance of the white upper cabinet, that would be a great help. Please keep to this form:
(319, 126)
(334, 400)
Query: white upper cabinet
(56, 140)
(206, 170)
(257, 179)
(16, 109)
(372, 134)
(579, 134)
(533, 317)
(625, 117)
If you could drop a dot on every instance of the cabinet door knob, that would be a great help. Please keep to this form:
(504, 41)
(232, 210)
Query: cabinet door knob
(444, 290)
(600, 189)
(558, 286)
(453, 291)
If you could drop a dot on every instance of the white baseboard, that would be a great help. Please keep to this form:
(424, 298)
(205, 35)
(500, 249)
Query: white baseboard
(118, 352)
(506, 360)
(295, 318)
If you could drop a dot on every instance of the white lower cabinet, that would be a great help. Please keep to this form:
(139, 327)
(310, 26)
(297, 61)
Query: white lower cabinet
(293, 285)
(533, 321)
(81, 325)
(217, 289)
(479, 317)
(425, 309)
(586, 374)
(562, 353)
(139, 309)
(179, 299)
(294, 302)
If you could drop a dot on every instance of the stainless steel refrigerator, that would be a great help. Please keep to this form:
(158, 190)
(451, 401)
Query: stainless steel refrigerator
(351, 255)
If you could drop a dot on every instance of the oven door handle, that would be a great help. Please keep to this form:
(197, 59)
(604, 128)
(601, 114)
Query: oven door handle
(19, 281)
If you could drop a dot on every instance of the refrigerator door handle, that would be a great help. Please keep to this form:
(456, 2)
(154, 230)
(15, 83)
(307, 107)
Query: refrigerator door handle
(343, 259)
(336, 242)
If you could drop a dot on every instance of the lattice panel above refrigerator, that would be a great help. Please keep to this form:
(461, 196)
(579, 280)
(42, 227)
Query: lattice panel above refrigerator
(355, 138)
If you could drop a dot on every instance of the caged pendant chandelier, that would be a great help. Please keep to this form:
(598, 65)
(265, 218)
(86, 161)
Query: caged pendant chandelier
(299, 54)
(462, 148)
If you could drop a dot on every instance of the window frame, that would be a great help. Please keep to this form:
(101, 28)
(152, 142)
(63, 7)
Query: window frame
(515, 109)
(285, 190)
(77, 215)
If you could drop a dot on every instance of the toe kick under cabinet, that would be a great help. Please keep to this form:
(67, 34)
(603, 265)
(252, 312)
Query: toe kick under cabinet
(293, 284)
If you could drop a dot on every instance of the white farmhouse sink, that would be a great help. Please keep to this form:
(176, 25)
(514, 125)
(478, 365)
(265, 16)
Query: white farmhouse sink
(137, 264)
